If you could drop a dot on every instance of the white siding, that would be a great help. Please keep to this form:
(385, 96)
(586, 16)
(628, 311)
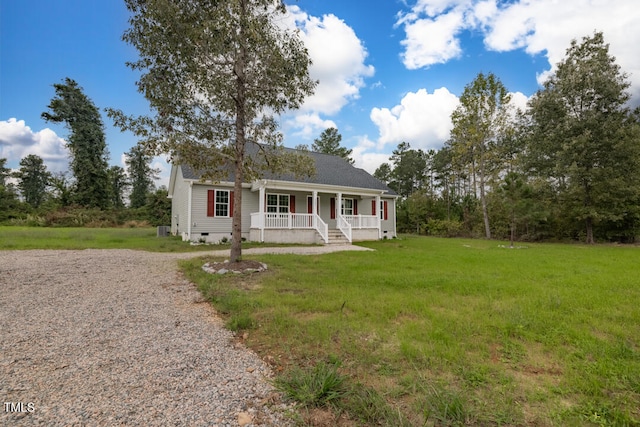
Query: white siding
(218, 227)
(388, 225)
(179, 205)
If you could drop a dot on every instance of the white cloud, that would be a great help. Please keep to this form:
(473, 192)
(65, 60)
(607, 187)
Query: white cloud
(519, 100)
(17, 140)
(546, 26)
(422, 119)
(309, 125)
(338, 57)
(432, 41)
(538, 26)
(431, 8)
(366, 159)
(160, 163)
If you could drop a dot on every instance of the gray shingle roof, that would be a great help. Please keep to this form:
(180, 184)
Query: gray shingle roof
(330, 170)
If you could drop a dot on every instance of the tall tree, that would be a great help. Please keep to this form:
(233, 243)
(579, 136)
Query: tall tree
(158, 207)
(33, 179)
(4, 172)
(141, 174)
(118, 183)
(215, 73)
(409, 166)
(383, 173)
(583, 136)
(444, 177)
(477, 123)
(329, 143)
(8, 199)
(61, 188)
(516, 195)
(87, 143)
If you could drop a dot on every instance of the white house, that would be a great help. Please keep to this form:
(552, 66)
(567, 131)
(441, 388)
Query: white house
(339, 204)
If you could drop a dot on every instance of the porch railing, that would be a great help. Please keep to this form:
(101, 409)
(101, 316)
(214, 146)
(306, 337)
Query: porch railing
(290, 221)
(363, 221)
(344, 226)
(322, 228)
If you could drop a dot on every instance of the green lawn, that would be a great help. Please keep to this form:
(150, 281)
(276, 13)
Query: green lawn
(13, 237)
(455, 332)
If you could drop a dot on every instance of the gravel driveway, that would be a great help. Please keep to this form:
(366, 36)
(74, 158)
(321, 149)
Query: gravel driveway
(118, 337)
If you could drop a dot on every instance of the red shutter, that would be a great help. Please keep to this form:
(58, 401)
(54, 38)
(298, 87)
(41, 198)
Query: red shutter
(355, 207)
(386, 216)
(292, 204)
(211, 203)
(309, 204)
(231, 203)
(373, 207)
(333, 208)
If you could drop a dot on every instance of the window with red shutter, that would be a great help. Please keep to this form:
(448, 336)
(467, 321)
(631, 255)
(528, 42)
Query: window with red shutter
(211, 200)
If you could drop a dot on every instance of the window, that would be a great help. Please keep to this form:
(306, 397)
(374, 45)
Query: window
(384, 214)
(277, 203)
(220, 203)
(382, 210)
(347, 207)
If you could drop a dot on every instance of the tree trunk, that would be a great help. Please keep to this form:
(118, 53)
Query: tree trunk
(483, 201)
(239, 146)
(589, 226)
(513, 232)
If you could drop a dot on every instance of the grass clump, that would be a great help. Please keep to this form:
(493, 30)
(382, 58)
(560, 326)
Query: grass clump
(445, 407)
(318, 386)
(324, 386)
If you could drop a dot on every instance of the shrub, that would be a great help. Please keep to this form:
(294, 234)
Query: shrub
(444, 228)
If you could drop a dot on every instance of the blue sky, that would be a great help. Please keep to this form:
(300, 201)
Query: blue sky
(389, 70)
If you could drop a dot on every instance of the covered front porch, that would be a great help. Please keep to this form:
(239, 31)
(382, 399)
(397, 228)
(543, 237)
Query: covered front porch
(332, 216)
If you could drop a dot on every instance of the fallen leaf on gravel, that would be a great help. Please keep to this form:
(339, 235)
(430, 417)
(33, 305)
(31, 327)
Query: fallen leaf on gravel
(244, 419)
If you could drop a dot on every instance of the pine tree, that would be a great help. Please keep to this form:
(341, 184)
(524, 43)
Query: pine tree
(141, 174)
(215, 73)
(329, 143)
(33, 179)
(477, 123)
(86, 142)
(582, 138)
(118, 183)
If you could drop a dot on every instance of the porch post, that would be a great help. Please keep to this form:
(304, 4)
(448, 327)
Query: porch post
(261, 211)
(338, 204)
(314, 208)
(378, 209)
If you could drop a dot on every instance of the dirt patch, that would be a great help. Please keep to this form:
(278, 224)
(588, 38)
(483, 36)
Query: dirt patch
(320, 417)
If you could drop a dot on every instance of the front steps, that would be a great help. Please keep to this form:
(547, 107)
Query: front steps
(337, 238)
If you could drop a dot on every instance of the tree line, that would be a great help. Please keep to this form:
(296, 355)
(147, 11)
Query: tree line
(565, 168)
(92, 184)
